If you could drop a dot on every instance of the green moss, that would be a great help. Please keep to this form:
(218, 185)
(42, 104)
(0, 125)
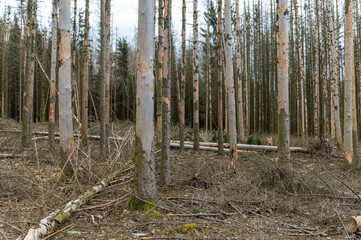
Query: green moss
(191, 226)
(193, 209)
(68, 189)
(61, 217)
(134, 204)
(253, 140)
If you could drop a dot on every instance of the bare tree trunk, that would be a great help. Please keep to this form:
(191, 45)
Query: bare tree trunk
(144, 173)
(73, 76)
(107, 69)
(183, 77)
(102, 105)
(160, 73)
(220, 78)
(283, 97)
(30, 68)
(348, 151)
(317, 78)
(67, 148)
(300, 72)
(165, 164)
(54, 50)
(239, 78)
(208, 65)
(336, 124)
(195, 76)
(230, 87)
(84, 92)
(3, 98)
(356, 156)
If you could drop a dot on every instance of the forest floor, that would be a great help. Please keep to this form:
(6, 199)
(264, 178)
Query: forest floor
(308, 199)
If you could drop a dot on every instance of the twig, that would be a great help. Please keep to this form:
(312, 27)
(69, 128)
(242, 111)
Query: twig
(117, 201)
(12, 226)
(3, 234)
(61, 230)
(343, 225)
(235, 208)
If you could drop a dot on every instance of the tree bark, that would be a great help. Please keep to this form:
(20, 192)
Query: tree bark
(165, 164)
(54, 51)
(220, 79)
(283, 96)
(230, 87)
(348, 151)
(85, 75)
(144, 173)
(67, 148)
(160, 72)
(195, 77)
(183, 76)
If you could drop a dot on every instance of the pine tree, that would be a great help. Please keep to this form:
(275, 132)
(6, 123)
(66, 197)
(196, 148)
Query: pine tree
(85, 79)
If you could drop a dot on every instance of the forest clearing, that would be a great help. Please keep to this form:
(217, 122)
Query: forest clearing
(310, 200)
(225, 120)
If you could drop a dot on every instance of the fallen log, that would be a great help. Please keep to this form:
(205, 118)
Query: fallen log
(5, 155)
(245, 146)
(204, 148)
(353, 224)
(59, 216)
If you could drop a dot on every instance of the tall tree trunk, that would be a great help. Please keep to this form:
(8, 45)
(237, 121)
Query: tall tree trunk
(356, 155)
(335, 119)
(300, 72)
(183, 77)
(283, 97)
(144, 173)
(220, 79)
(195, 77)
(3, 75)
(84, 91)
(208, 65)
(348, 151)
(165, 168)
(107, 69)
(239, 78)
(317, 106)
(73, 76)
(67, 147)
(230, 87)
(54, 51)
(30, 69)
(160, 72)
(102, 105)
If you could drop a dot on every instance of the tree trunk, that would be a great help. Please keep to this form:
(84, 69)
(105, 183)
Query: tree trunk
(220, 79)
(3, 99)
(239, 78)
(335, 119)
(30, 63)
(165, 164)
(73, 76)
(207, 66)
(107, 70)
(356, 156)
(67, 148)
(102, 105)
(195, 77)
(283, 98)
(54, 51)
(160, 73)
(183, 77)
(144, 173)
(317, 106)
(230, 87)
(84, 92)
(348, 151)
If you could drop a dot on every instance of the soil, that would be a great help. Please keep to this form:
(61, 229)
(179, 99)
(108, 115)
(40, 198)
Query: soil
(307, 199)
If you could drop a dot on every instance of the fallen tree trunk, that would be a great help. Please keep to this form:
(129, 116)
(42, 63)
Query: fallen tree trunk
(353, 224)
(204, 148)
(246, 146)
(59, 216)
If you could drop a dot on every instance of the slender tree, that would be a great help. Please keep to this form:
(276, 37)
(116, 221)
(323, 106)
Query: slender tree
(195, 77)
(73, 68)
(102, 105)
(54, 49)
(85, 81)
(160, 72)
(230, 87)
(3, 70)
(348, 151)
(107, 66)
(283, 98)
(183, 77)
(145, 182)
(165, 172)
(239, 78)
(67, 147)
(220, 79)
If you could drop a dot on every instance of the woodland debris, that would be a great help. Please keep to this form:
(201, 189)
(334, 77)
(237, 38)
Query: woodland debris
(59, 216)
(353, 224)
